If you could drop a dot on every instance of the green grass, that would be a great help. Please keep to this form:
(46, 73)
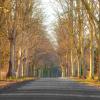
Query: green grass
(88, 81)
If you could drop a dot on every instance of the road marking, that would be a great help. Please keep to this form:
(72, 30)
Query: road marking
(50, 94)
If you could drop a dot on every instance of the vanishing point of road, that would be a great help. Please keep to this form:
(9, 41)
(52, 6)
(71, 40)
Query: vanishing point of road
(51, 89)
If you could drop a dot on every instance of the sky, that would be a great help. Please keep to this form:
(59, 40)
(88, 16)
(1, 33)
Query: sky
(48, 9)
(50, 18)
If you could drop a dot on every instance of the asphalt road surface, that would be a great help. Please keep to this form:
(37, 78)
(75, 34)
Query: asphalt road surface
(51, 89)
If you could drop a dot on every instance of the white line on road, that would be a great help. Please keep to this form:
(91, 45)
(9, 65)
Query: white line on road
(50, 94)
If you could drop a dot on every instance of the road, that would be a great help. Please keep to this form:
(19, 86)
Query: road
(51, 89)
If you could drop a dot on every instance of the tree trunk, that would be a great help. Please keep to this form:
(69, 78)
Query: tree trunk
(79, 68)
(11, 70)
(63, 71)
(91, 63)
(72, 66)
(99, 47)
(99, 56)
(91, 54)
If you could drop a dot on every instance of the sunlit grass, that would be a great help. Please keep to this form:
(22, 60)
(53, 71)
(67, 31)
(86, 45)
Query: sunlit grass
(88, 81)
(13, 80)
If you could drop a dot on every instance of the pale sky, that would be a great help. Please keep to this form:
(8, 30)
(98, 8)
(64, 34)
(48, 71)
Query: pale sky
(49, 11)
(50, 17)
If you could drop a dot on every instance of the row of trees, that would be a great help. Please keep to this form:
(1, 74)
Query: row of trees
(78, 35)
(23, 44)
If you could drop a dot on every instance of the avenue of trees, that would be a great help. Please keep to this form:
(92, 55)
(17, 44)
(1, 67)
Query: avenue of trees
(24, 46)
(78, 35)
(26, 49)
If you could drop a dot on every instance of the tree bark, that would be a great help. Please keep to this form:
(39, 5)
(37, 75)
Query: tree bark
(91, 53)
(11, 70)
(63, 71)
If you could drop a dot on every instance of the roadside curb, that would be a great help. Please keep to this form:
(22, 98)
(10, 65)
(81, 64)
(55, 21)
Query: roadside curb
(12, 86)
(86, 82)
